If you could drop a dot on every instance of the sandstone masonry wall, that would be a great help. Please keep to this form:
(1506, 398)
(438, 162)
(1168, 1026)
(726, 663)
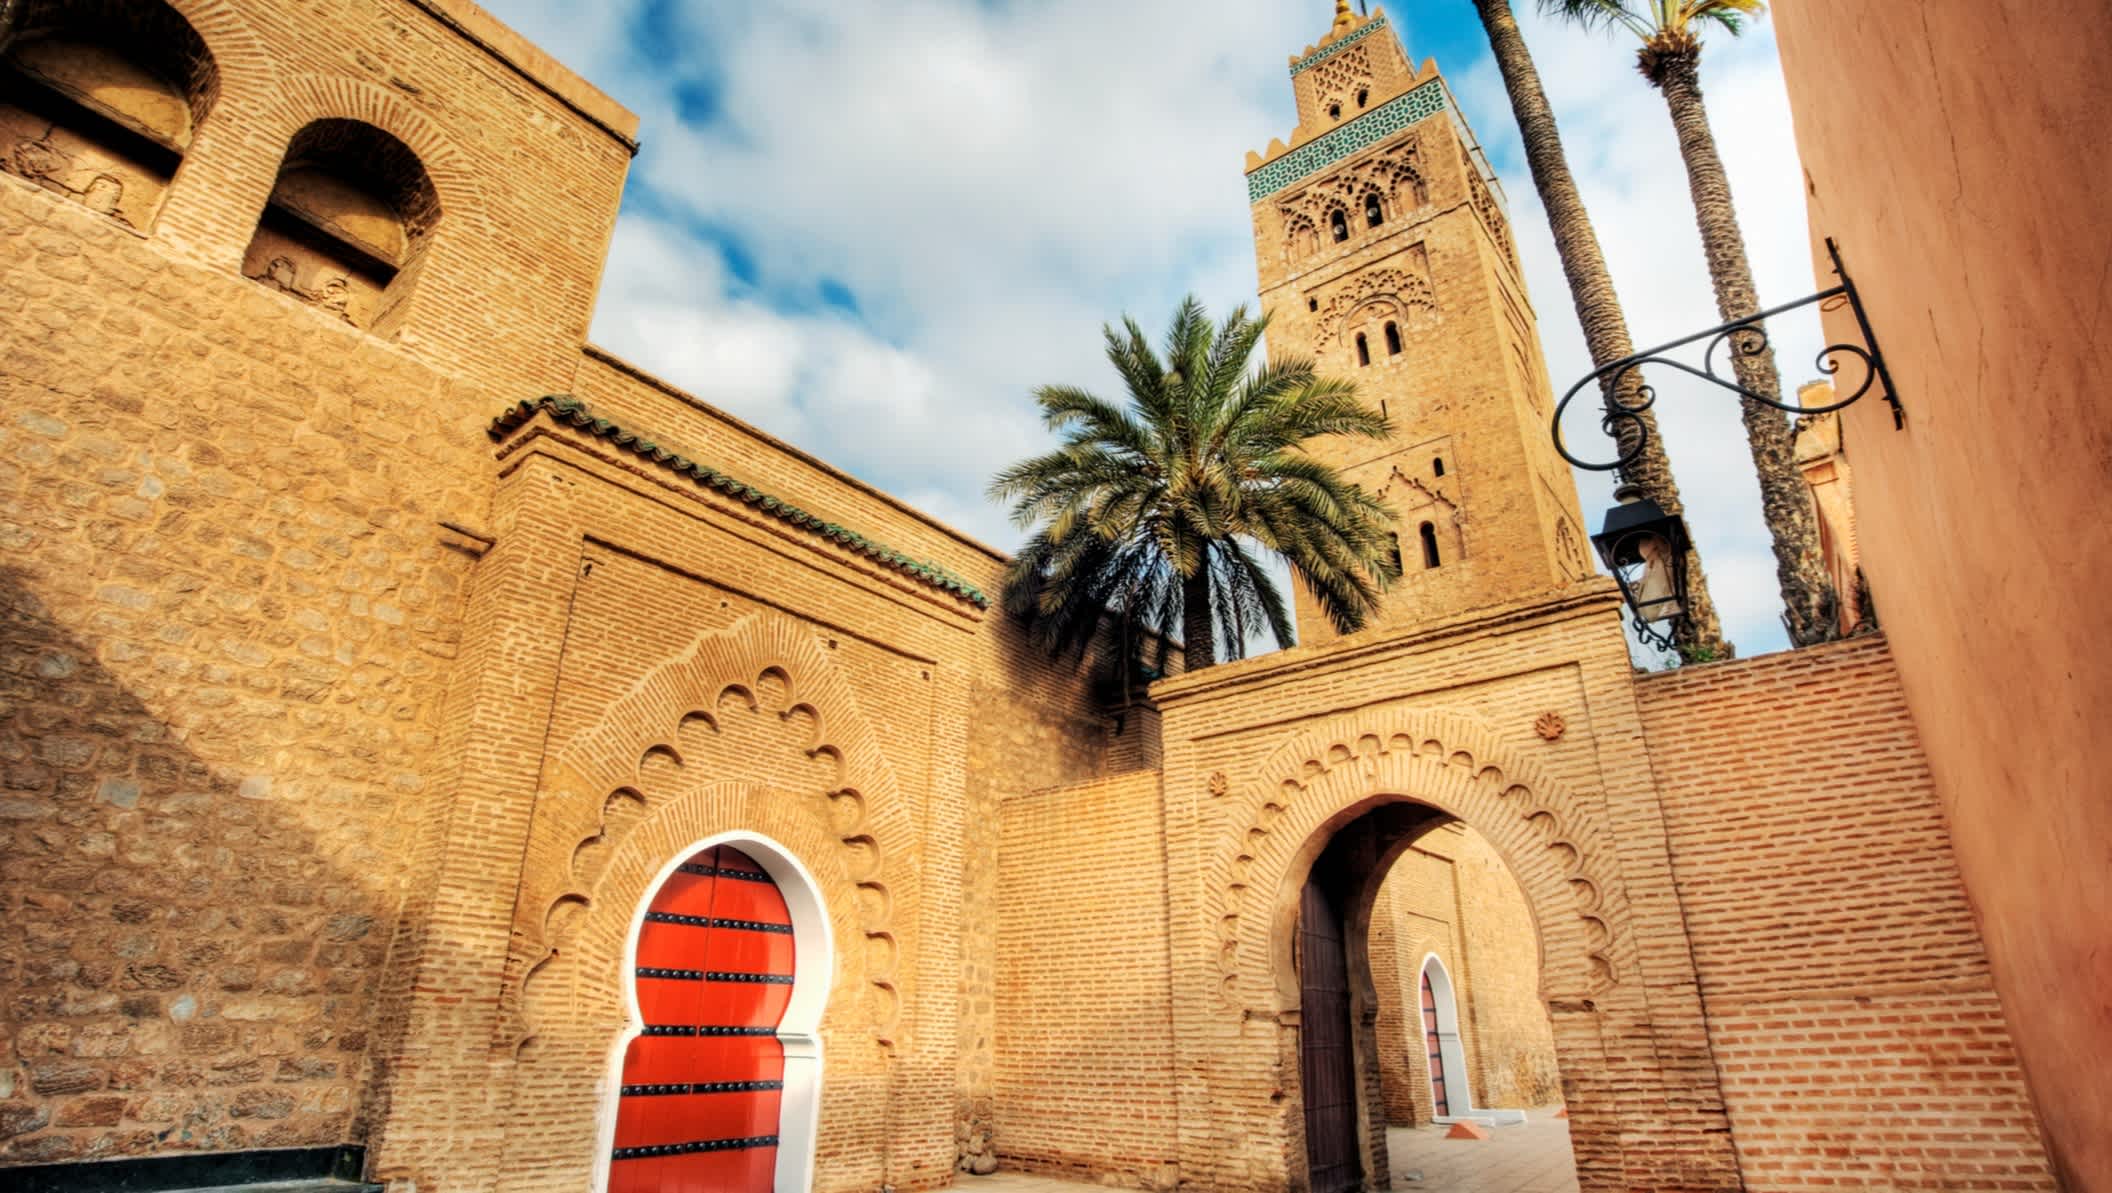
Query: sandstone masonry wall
(1859, 1038)
(1085, 1052)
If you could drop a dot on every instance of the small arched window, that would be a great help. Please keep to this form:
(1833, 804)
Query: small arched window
(1437, 466)
(1396, 552)
(98, 102)
(1334, 111)
(1373, 215)
(1429, 535)
(348, 223)
(1363, 96)
(1393, 339)
(1339, 224)
(1312, 304)
(1363, 349)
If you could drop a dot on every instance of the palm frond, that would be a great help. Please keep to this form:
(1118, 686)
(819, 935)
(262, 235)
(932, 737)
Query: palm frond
(1195, 478)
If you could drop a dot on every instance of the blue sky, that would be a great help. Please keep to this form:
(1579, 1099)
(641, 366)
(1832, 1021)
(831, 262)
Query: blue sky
(873, 227)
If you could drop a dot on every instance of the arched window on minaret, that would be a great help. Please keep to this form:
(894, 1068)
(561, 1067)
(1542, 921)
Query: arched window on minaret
(1340, 224)
(1363, 349)
(1363, 96)
(1373, 216)
(1429, 533)
(1393, 339)
(1396, 551)
(1437, 466)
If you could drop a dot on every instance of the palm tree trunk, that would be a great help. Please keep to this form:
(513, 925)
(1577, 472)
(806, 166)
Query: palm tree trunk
(1807, 590)
(1700, 633)
(1198, 632)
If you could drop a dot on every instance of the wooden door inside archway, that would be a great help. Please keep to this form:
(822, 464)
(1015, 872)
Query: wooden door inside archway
(702, 1083)
(1327, 1063)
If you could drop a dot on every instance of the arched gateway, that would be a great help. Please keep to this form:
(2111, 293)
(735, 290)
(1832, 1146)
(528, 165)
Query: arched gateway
(1315, 831)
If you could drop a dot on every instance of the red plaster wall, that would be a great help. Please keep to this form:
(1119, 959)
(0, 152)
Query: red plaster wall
(1954, 154)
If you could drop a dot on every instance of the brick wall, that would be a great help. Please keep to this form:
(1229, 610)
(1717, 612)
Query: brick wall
(1085, 1066)
(1859, 1038)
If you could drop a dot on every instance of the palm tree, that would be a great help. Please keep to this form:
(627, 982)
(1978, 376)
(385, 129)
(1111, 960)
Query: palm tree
(1670, 59)
(1157, 509)
(1699, 635)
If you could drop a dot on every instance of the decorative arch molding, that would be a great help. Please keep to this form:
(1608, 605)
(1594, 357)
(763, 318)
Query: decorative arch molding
(1378, 294)
(563, 1098)
(302, 100)
(1553, 841)
(595, 815)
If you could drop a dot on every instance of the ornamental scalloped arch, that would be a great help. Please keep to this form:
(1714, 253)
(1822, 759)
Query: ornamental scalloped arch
(563, 1095)
(1555, 844)
(592, 806)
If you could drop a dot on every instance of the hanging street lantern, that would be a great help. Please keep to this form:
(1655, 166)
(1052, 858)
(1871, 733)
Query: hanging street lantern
(1646, 550)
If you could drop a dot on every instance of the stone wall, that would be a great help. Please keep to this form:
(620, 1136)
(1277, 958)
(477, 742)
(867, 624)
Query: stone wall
(1855, 1025)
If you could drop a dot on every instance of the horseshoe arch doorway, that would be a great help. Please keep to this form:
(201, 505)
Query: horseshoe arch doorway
(716, 1080)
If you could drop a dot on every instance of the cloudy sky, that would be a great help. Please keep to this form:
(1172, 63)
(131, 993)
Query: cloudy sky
(873, 226)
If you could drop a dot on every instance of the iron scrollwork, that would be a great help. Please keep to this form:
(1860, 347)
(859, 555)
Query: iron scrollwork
(1737, 339)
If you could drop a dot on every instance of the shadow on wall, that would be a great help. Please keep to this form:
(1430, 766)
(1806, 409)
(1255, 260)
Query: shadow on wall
(182, 968)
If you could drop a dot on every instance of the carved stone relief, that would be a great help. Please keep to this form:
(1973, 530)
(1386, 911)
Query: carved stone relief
(1394, 178)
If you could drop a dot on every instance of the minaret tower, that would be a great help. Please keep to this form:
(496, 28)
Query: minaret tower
(1386, 255)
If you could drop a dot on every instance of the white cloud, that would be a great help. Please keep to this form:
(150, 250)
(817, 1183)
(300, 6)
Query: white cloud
(993, 181)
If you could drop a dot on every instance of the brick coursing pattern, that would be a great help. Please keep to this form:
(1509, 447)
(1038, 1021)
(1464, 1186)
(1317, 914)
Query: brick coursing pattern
(1853, 1019)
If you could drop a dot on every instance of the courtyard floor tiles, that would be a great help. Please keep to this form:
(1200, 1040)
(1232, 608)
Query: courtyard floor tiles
(1532, 1157)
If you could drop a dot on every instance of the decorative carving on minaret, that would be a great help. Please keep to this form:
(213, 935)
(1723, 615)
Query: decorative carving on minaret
(1343, 84)
(1378, 294)
(1393, 178)
(1486, 207)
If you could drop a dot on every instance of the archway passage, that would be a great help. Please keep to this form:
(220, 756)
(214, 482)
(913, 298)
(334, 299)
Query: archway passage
(703, 1082)
(1326, 1061)
(1417, 967)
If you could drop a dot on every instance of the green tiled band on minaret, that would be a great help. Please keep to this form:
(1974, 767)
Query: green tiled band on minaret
(1362, 133)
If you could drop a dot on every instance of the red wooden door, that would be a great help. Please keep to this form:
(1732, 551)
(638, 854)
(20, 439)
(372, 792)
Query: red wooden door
(1430, 1042)
(702, 1082)
(1325, 1059)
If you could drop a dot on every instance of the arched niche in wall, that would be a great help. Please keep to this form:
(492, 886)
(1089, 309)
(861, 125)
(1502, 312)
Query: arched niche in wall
(99, 100)
(350, 217)
(1447, 1053)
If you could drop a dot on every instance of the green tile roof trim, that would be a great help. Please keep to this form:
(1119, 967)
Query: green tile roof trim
(1328, 51)
(1318, 154)
(574, 413)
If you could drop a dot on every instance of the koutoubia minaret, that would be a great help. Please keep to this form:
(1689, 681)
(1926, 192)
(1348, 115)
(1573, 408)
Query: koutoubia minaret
(1385, 254)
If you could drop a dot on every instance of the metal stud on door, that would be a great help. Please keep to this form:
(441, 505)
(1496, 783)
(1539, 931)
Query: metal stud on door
(703, 1082)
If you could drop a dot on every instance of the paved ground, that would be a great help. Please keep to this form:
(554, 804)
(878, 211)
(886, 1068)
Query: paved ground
(1532, 1157)
(1529, 1158)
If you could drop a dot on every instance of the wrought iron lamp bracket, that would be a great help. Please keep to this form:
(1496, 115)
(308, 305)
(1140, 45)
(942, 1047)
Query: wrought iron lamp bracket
(1742, 338)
